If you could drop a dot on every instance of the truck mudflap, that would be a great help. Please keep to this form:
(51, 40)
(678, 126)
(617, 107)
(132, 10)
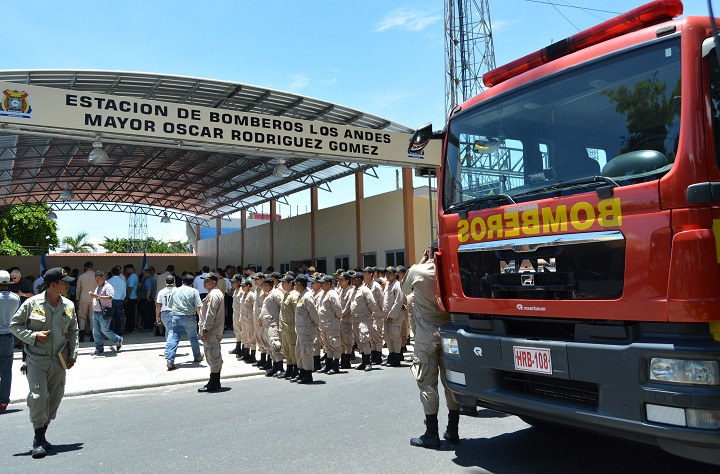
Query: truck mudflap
(599, 387)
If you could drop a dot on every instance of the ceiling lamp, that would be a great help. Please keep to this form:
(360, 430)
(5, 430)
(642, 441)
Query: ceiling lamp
(165, 219)
(66, 194)
(280, 170)
(97, 155)
(51, 216)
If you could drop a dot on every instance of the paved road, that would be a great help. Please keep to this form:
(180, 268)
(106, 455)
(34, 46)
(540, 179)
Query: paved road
(354, 422)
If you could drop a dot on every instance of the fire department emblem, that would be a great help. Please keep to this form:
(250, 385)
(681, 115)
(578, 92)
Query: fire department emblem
(15, 104)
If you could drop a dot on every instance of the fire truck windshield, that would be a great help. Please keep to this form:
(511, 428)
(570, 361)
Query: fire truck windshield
(616, 117)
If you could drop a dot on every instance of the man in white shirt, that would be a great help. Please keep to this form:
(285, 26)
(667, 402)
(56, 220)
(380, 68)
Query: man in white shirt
(199, 284)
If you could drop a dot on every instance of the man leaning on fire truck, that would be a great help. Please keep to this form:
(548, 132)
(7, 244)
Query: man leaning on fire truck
(420, 281)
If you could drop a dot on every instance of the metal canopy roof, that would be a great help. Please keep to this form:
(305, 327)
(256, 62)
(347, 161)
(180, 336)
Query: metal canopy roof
(192, 185)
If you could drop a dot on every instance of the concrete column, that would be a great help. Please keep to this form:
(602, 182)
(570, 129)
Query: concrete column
(243, 223)
(218, 231)
(359, 196)
(273, 213)
(313, 211)
(409, 214)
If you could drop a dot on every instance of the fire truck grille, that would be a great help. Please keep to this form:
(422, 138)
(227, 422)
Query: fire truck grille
(561, 389)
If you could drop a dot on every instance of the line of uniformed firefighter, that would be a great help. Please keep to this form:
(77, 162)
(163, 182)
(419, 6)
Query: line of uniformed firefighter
(290, 318)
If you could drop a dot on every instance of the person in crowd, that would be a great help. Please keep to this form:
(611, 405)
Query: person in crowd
(20, 286)
(330, 312)
(198, 282)
(362, 307)
(118, 300)
(269, 322)
(102, 299)
(346, 327)
(163, 311)
(263, 363)
(288, 336)
(131, 297)
(247, 305)
(376, 335)
(184, 303)
(38, 283)
(9, 303)
(393, 300)
(236, 297)
(85, 286)
(307, 322)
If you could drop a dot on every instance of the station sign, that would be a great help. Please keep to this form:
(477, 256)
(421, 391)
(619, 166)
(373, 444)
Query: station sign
(26, 107)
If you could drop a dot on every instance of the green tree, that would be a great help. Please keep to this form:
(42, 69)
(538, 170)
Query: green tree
(8, 247)
(152, 245)
(26, 225)
(78, 244)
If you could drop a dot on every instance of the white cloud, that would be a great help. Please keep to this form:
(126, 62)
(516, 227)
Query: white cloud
(502, 25)
(299, 81)
(407, 19)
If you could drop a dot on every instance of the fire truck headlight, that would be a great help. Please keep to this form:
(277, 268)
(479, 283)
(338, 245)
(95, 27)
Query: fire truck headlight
(694, 372)
(450, 346)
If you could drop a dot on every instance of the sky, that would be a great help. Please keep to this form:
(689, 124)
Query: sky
(383, 57)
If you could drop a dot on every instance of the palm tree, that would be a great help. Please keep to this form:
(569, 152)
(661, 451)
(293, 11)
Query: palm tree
(78, 244)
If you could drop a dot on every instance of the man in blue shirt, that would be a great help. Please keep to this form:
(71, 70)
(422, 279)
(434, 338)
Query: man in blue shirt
(131, 297)
(119, 287)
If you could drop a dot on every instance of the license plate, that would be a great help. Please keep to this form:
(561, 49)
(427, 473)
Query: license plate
(531, 359)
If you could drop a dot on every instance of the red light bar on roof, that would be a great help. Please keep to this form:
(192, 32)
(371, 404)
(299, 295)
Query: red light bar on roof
(649, 14)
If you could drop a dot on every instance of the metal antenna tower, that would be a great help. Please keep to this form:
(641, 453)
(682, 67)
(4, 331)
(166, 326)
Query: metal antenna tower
(137, 232)
(468, 48)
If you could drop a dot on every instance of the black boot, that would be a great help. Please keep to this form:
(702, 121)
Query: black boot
(396, 357)
(316, 361)
(363, 364)
(82, 336)
(376, 357)
(290, 372)
(430, 439)
(281, 372)
(328, 366)
(262, 360)
(91, 337)
(273, 370)
(37, 446)
(368, 364)
(345, 361)
(389, 360)
(451, 433)
(300, 374)
(268, 364)
(251, 358)
(335, 368)
(213, 385)
(237, 348)
(306, 378)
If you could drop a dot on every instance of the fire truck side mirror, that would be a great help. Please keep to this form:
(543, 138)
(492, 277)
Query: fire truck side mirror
(420, 139)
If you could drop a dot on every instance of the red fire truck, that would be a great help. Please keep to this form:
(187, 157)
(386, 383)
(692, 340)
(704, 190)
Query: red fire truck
(579, 234)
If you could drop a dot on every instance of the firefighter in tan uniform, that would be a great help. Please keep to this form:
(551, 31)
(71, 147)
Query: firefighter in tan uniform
(316, 289)
(394, 300)
(288, 336)
(46, 323)
(306, 327)
(269, 322)
(362, 307)
(247, 303)
(212, 321)
(420, 281)
(84, 304)
(376, 335)
(236, 315)
(346, 327)
(260, 295)
(330, 313)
